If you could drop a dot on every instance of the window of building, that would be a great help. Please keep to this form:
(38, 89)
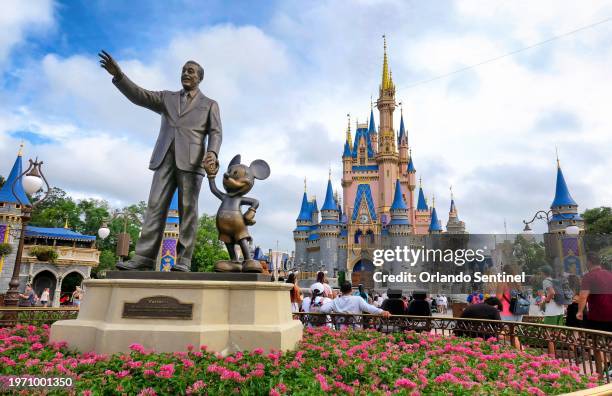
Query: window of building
(362, 155)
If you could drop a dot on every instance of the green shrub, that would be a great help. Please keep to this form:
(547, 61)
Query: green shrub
(5, 249)
(44, 253)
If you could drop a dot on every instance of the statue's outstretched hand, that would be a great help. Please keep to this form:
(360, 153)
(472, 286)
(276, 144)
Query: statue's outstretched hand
(210, 163)
(108, 63)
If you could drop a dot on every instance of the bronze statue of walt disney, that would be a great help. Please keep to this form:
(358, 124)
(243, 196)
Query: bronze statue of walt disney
(231, 222)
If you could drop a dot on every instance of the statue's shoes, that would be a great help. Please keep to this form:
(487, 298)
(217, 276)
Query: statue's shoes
(181, 268)
(251, 266)
(227, 266)
(132, 265)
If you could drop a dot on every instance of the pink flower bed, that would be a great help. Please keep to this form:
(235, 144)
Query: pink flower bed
(339, 362)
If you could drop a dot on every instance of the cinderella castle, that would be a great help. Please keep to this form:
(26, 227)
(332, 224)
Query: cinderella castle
(377, 208)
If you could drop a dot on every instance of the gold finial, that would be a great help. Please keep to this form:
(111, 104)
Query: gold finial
(420, 182)
(329, 172)
(304, 184)
(557, 154)
(401, 108)
(451, 191)
(66, 223)
(386, 80)
(20, 152)
(371, 102)
(433, 201)
(349, 138)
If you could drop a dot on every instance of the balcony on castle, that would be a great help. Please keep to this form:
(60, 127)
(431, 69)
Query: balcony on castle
(72, 248)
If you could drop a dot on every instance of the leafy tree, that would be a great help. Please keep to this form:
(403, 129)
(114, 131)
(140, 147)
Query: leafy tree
(598, 229)
(208, 248)
(530, 256)
(108, 259)
(598, 220)
(55, 210)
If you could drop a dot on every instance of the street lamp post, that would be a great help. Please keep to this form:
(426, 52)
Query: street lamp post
(32, 181)
(546, 216)
(123, 240)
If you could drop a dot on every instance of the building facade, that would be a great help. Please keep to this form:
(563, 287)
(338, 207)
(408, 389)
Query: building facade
(377, 209)
(77, 253)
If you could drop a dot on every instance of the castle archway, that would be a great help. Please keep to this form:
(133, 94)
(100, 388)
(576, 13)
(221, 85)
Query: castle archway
(363, 273)
(42, 280)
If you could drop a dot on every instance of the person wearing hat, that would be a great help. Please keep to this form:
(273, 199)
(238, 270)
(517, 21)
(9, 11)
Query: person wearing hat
(313, 304)
(553, 312)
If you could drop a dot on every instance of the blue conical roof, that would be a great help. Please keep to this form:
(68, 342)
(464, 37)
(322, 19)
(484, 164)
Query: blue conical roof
(304, 209)
(330, 202)
(421, 204)
(411, 168)
(347, 150)
(562, 194)
(398, 200)
(452, 206)
(402, 131)
(6, 192)
(434, 225)
(371, 126)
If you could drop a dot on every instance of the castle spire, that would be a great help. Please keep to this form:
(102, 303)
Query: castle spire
(371, 126)
(349, 138)
(6, 192)
(421, 203)
(398, 200)
(330, 202)
(434, 225)
(387, 81)
(562, 194)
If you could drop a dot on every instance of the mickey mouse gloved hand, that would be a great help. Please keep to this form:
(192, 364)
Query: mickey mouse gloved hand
(249, 216)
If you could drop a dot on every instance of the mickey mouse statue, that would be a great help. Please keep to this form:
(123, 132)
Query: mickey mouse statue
(231, 222)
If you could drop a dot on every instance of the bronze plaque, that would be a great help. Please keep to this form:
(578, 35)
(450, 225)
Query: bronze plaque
(158, 307)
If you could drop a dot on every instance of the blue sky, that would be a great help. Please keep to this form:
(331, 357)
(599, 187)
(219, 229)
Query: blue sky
(285, 75)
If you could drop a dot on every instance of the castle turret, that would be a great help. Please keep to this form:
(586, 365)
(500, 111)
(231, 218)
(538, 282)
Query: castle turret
(402, 142)
(454, 225)
(387, 157)
(565, 209)
(372, 131)
(10, 219)
(329, 230)
(167, 252)
(347, 158)
(302, 231)
(422, 214)
(435, 226)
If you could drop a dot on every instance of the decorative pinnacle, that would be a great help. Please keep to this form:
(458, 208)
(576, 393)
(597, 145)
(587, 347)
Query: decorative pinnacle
(557, 154)
(304, 184)
(386, 79)
(451, 191)
(66, 223)
(433, 201)
(20, 152)
(401, 108)
(330, 172)
(420, 182)
(371, 102)
(349, 139)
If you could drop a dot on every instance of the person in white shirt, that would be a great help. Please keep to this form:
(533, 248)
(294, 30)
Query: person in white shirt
(350, 304)
(314, 303)
(553, 312)
(44, 297)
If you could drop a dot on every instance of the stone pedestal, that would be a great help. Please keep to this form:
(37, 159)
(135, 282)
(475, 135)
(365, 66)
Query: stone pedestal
(173, 310)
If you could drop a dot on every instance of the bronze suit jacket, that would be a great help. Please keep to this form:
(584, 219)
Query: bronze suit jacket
(187, 128)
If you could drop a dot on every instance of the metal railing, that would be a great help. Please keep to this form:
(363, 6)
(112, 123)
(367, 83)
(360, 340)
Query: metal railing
(590, 350)
(9, 316)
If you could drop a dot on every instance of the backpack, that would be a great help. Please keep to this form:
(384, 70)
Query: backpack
(519, 304)
(563, 293)
(315, 307)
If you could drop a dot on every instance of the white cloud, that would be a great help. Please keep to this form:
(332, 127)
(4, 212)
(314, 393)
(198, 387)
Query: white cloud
(20, 18)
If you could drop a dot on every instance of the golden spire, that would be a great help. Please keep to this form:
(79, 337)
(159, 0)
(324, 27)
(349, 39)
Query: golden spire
(451, 191)
(557, 153)
(66, 223)
(433, 200)
(387, 82)
(349, 139)
(420, 182)
(329, 172)
(304, 184)
(20, 152)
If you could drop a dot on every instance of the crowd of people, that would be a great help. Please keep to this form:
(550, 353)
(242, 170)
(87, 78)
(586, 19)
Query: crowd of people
(568, 301)
(29, 298)
(562, 301)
